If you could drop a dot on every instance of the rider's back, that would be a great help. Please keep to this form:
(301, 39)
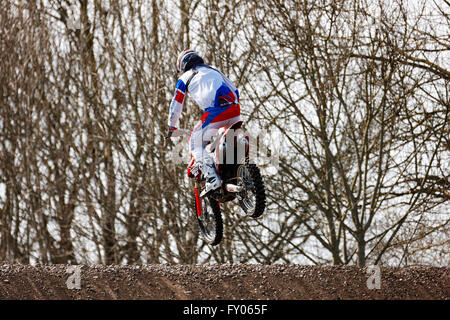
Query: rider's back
(206, 85)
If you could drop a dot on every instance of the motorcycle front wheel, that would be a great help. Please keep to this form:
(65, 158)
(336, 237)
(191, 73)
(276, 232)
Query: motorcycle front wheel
(209, 219)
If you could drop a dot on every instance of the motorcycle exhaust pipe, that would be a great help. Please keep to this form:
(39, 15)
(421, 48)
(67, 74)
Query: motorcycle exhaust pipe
(233, 188)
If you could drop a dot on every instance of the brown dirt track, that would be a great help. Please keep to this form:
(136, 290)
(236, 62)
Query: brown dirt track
(217, 282)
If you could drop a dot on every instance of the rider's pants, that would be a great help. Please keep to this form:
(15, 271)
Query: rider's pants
(212, 120)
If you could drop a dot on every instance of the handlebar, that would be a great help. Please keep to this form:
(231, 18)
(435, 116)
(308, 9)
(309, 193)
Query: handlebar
(179, 132)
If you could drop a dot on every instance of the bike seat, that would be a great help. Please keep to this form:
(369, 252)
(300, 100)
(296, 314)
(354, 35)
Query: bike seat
(211, 147)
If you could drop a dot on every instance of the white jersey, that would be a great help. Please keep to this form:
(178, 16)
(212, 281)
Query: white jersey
(207, 86)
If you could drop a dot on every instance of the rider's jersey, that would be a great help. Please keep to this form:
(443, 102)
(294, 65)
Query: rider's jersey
(207, 86)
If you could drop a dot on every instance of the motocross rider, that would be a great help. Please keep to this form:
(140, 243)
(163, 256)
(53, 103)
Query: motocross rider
(217, 96)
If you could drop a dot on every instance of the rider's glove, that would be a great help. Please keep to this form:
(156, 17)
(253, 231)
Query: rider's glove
(171, 132)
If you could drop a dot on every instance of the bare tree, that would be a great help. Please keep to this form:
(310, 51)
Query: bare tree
(342, 111)
(355, 95)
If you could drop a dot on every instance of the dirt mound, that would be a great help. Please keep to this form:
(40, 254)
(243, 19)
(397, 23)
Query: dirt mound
(217, 282)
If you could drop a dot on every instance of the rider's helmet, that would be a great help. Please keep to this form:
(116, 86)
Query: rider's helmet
(187, 59)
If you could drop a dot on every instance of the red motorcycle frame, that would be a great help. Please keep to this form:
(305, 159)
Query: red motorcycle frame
(241, 180)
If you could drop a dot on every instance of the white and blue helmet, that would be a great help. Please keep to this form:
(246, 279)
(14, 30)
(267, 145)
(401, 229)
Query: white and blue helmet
(184, 57)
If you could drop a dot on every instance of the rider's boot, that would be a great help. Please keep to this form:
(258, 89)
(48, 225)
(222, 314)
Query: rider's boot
(209, 172)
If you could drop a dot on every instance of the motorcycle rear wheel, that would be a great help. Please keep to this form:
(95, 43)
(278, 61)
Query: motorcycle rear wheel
(253, 199)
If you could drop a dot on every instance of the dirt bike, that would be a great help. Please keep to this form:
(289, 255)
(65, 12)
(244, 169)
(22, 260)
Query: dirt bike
(241, 180)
